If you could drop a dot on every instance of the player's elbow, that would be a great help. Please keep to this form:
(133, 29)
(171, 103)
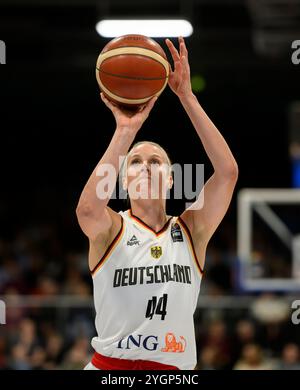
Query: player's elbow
(85, 218)
(83, 210)
(228, 173)
(233, 171)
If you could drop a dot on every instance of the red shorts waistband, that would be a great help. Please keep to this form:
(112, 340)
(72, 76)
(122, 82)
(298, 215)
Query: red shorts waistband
(108, 363)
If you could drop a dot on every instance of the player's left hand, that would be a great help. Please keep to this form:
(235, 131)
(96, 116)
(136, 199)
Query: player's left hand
(179, 79)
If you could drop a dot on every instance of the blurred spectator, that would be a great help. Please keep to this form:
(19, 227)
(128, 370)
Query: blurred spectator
(11, 275)
(218, 340)
(273, 313)
(54, 351)
(245, 333)
(290, 359)
(27, 334)
(38, 358)
(19, 358)
(14, 311)
(46, 286)
(252, 359)
(74, 283)
(208, 359)
(78, 356)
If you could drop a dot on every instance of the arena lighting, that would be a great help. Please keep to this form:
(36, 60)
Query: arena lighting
(156, 28)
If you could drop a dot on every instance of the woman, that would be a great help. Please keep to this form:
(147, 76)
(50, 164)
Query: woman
(147, 266)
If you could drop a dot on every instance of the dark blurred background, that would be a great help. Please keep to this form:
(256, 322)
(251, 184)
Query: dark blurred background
(54, 130)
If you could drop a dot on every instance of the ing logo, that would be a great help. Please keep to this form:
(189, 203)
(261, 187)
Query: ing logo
(149, 343)
(2, 53)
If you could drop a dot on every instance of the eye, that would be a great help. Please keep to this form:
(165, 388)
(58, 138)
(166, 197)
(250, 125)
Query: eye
(154, 161)
(135, 161)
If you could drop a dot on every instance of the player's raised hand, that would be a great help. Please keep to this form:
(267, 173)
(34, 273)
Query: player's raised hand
(129, 120)
(179, 78)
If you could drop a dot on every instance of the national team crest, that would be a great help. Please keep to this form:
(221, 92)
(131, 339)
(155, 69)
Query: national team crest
(156, 251)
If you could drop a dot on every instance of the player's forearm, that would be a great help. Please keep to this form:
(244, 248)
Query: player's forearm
(92, 198)
(213, 142)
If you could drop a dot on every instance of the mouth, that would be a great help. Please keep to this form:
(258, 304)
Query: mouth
(144, 177)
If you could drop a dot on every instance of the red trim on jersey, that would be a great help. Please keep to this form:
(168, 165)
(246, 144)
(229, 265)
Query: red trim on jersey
(108, 363)
(109, 249)
(191, 241)
(163, 229)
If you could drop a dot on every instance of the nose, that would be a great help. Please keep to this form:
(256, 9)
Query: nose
(145, 167)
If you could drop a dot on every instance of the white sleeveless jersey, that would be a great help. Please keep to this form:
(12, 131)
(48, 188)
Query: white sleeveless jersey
(146, 288)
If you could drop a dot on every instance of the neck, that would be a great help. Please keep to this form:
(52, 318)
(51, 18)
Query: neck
(151, 213)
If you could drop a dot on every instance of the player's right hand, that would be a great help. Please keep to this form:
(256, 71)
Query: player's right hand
(129, 120)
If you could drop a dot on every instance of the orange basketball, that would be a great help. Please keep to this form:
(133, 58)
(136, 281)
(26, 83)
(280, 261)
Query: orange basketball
(131, 69)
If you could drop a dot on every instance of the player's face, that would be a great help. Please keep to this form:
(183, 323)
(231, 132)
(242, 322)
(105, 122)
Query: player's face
(147, 172)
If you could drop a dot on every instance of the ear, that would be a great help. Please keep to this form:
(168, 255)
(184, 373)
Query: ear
(170, 182)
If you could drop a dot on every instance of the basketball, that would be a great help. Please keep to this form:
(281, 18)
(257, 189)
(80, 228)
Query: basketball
(131, 69)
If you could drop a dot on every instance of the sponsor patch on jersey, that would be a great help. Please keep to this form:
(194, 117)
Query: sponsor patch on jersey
(156, 251)
(133, 241)
(173, 345)
(176, 233)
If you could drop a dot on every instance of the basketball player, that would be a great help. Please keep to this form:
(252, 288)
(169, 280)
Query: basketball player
(146, 266)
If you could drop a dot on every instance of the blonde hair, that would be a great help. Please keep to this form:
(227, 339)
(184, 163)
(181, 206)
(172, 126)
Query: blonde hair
(123, 170)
